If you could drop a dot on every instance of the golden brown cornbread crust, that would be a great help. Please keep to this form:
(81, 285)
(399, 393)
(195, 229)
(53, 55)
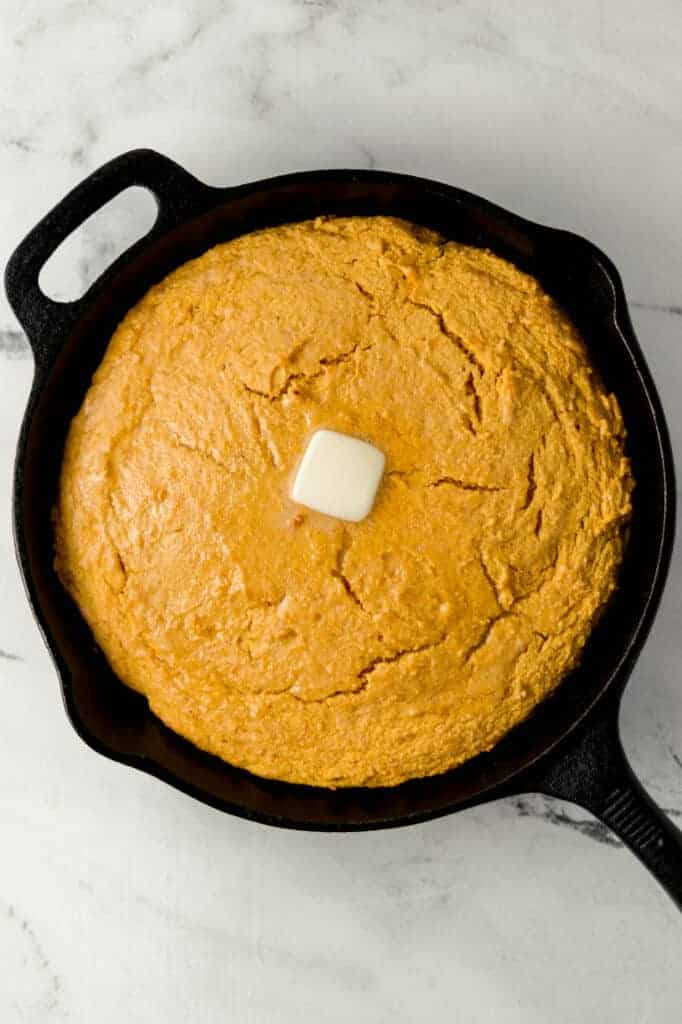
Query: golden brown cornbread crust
(301, 647)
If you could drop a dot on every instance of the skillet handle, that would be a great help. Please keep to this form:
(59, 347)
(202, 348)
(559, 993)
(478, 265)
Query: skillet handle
(593, 771)
(178, 195)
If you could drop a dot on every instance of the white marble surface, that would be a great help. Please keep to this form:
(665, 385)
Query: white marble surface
(123, 900)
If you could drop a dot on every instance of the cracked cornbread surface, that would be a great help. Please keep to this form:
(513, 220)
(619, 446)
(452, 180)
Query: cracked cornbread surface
(295, 645)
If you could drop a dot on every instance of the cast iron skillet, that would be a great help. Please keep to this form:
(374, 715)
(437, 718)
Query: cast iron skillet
(570, 746)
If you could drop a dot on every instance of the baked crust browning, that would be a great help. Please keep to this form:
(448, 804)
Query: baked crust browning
(297, 646)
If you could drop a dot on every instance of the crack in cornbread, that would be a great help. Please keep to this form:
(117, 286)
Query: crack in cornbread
(297, 646)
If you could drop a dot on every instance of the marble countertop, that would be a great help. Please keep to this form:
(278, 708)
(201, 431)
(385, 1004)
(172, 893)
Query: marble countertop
(121, 899)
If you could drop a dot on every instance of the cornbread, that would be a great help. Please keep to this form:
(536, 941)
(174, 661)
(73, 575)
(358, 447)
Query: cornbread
(296, 645)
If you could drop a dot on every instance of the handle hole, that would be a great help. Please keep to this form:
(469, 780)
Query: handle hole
(87, 252)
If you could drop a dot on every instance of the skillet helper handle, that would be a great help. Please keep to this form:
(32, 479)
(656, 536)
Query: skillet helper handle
(46, 320)
(594, 772)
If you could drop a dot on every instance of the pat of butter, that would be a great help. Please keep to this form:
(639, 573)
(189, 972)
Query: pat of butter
(339, 476)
